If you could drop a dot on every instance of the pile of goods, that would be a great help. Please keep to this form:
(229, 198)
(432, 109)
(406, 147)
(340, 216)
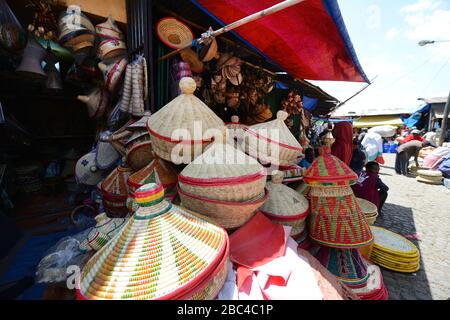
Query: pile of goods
(430, 177)
(369, 209)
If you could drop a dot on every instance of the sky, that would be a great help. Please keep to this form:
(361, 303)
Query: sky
(385, 35)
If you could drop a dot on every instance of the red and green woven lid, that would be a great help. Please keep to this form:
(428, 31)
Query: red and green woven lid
(338, 221)
(328, 170)
(163, 252)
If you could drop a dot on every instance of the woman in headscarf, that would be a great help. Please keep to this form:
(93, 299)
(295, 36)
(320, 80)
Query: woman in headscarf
(343, 146)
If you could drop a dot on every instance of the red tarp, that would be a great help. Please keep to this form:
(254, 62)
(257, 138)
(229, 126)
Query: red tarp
(308, 40)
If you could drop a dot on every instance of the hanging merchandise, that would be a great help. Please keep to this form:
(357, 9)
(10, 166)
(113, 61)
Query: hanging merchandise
(115, 192)
(272, 142)
(106, 155)
(96, 102)
(120, 137)
(135, 89)
(111, 48)
(105, 229)
(182, 129)
(33, 56)
(109, 30)
(12, 36)
(209, 50)
(174, 33)
(53, 75)
(285, 206)
(230, 68)
(162, 253)
(190, 56)
(86, 170)
(44, 24)
(113, 73)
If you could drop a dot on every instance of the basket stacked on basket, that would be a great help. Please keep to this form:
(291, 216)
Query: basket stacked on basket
(182, 129)
(158, 171)
(286, 206)
(369, 209)
(224, 184)
(394, 252)
(430, 177)
(272, 142)
(162, 253)
(115, 192)
(235, 130)
(375, 288)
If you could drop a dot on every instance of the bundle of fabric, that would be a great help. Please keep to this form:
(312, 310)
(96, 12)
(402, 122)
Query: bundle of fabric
(373, 144)
(444, 167)
(158, 171)
(272, 142)
(104, 231)
(430, 177)
(162, 253)
(285, 206)
(115, 192)
(433, 160)
(394, 252)
(183, 117)
(135, 88)
(224, 184)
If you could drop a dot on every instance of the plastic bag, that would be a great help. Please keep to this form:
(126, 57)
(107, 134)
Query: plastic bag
(12, 35)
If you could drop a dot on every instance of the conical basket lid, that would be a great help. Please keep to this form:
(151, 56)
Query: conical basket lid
(142, 122)
(163, 252)
(157, 171)
(222, 162)
(337, 220)
(186, 112)
(284, 202)
(116, 182)
(328, 170)
(346, 264)
(276, 131)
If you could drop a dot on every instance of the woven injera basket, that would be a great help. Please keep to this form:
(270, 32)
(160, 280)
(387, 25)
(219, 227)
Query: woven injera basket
(328, 170)
(115, 192)
(120, 138)
(272, 142)
(369, 209)
(346, 264)
(139, 149)
(223, 173)
(162, 253)
(285, 206)
(336, 218)
(182, 129)
(235, 130)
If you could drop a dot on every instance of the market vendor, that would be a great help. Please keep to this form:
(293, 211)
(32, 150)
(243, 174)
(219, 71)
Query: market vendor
(343, 146)
(415, 135)
(404, 154)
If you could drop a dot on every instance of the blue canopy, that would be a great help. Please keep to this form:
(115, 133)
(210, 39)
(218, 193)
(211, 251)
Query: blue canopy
(414, 119)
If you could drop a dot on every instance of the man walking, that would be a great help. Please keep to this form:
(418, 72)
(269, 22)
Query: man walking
(405, 152)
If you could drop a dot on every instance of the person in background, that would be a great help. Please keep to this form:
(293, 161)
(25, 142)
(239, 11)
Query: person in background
(404, 154)
(370, 187)
(308, 159)
(358, 157)
(415, 135)
(343, 146)
(430, 136)
(362, 135)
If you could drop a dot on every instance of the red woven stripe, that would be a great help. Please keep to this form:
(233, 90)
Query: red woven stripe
(272, 141)
(156, 135)
(208, 182)
(146, 193)
(287, 218)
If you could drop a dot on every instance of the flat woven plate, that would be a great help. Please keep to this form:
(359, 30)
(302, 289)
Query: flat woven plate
(174, 33)
(393, 243)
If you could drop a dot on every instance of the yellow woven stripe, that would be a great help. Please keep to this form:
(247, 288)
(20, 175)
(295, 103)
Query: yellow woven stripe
(150, 198)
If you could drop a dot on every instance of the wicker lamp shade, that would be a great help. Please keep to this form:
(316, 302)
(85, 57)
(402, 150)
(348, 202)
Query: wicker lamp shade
(272, 142)
(223, 173)
(336, 218)
(328, 170)
(162, 253)
(189, 118)
(115, 192)
(285, 206)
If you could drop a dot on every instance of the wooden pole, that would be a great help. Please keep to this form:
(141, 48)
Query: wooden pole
(264, 13)
(444, 130)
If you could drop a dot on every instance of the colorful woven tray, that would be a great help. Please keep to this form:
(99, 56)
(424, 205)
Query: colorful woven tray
(389, 241)
(162, 252)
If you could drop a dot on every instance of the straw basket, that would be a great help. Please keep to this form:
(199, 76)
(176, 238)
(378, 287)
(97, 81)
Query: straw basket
(115, 192)
(272, 142)
(182, 129)
(223, 173)
(139, 153)
(162, 253)
(174, 33)
(430, 177)
(369, 209)
(230, 215)
(157, 171)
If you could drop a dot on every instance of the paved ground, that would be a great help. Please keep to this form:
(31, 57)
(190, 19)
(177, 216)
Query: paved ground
(417, 208)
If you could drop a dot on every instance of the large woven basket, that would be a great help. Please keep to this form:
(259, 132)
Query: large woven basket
(157, 171)
(182, 129)
(139, 150)
(272, 142)
(229, 215)
(223, 173)
(336, 219)
(369, 209)
(162, 253)
(115, 192)
(86, 170)
(285, 206)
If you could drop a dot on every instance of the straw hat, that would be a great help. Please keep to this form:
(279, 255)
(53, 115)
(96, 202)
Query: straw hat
(104, 230)
(189, 116)
(115, 191)
(223, 173)
(71, 34)
(174, 33)
(285, 206)
(188, 55)
(162, 253)
(336, 218)
(86, 170)
(328, 170)
(209, 52)
(272, 142)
